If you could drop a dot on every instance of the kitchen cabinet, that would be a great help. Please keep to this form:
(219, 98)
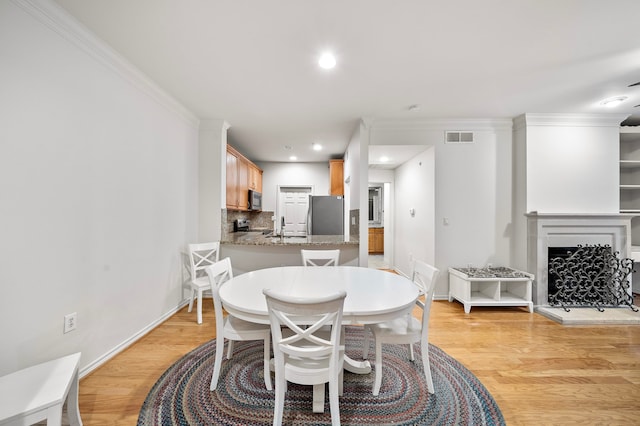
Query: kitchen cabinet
(255, 178)
(376, 240)
(241, 175)
(336, 177)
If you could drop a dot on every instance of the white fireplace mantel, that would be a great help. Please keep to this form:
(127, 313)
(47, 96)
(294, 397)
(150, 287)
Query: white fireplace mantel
(546, 230)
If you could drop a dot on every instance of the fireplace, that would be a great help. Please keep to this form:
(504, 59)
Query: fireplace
(570, 230)
(589, 276)
(552, 279)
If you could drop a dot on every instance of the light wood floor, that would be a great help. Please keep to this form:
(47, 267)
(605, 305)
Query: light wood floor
(539, 372)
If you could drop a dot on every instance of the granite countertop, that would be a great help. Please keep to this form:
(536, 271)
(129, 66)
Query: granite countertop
(258, 238)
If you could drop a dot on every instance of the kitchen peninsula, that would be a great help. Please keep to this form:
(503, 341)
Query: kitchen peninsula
(253, 250)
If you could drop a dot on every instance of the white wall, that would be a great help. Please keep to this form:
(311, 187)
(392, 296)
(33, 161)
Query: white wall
(98, 176)
(473, 191)
(572, 165)
(356, 172)
(212, 178)
(315, 175)
(414, 233)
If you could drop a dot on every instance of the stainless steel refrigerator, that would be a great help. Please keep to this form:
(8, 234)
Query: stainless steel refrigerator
(326, 215)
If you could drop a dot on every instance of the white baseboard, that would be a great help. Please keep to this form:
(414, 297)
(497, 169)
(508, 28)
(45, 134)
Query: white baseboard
(131, 340)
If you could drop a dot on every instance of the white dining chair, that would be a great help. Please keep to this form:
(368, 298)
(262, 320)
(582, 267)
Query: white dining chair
(200, 256)
(320, 257)
(232, 328)
(406, 329)
(307, 354)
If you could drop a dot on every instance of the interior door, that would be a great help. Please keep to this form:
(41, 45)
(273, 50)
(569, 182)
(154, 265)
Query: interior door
(294, 208)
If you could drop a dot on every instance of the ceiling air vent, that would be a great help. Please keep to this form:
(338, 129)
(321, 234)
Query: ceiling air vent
(458, 137)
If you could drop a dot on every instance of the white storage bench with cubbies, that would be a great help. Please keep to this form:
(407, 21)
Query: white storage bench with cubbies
(491, 286)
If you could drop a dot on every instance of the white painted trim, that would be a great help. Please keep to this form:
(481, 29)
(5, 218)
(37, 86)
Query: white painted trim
(59, 20)
(570, 120)
(461, 124)
(130, 341)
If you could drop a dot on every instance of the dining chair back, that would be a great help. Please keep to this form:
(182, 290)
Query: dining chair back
(306, 346)
(407, 329)
(232, 328)
(320, 257)
(200, 256)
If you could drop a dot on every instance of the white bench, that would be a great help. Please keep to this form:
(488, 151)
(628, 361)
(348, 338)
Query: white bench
(38, 393)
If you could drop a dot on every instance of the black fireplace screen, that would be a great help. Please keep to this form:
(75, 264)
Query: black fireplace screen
(591, 276)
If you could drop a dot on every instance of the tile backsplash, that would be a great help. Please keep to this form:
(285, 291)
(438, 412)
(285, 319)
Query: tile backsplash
(259, 220)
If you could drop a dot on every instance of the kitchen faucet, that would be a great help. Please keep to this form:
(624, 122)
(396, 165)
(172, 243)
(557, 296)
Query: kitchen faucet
(282, 229)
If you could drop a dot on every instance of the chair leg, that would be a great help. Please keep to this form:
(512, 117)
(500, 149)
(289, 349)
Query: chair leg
(267, 361)
(229, 349)
(281, 387)
(378, 379)
(365, 343)
(199, 306)
(427, 365)
(217, 362)
(334, 403)
(193, 294)
(411, 356)
(318, 398)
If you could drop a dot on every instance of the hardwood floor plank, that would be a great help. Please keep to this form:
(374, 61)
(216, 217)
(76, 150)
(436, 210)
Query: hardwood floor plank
(539, 372)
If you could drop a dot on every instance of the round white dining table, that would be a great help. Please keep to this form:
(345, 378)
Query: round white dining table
(373, 295)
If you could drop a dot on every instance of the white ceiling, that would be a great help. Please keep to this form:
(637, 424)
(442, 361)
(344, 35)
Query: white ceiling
(253, 62)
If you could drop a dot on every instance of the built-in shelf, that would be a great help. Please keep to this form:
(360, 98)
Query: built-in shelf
(630, 177)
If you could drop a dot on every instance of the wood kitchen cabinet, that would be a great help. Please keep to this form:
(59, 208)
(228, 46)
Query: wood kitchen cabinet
(336, 177)
(255, 178)
(376, 240)
(242, 174)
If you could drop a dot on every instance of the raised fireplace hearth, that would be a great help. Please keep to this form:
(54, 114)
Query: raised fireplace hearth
(570, 230)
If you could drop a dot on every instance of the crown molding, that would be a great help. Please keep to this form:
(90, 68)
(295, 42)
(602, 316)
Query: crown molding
(572, 120)
(475, 124)
(60, 21)
(214, 124)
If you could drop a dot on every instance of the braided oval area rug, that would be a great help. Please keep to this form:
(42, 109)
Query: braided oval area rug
(182, 397)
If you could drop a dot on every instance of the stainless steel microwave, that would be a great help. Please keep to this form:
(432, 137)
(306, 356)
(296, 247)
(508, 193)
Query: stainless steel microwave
(255, 200)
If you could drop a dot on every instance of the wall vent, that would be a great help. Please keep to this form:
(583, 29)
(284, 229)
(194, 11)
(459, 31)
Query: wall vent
(456, 136)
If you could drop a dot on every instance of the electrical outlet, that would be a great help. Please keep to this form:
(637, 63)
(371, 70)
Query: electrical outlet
(70, 322)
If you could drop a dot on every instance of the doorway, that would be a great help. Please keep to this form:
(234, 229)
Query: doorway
(378, 256)
(293, 206)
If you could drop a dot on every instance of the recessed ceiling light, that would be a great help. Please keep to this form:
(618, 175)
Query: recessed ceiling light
(327, 60)
(613, 102)
(384, 158)
(316, 146)
(293, 158)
